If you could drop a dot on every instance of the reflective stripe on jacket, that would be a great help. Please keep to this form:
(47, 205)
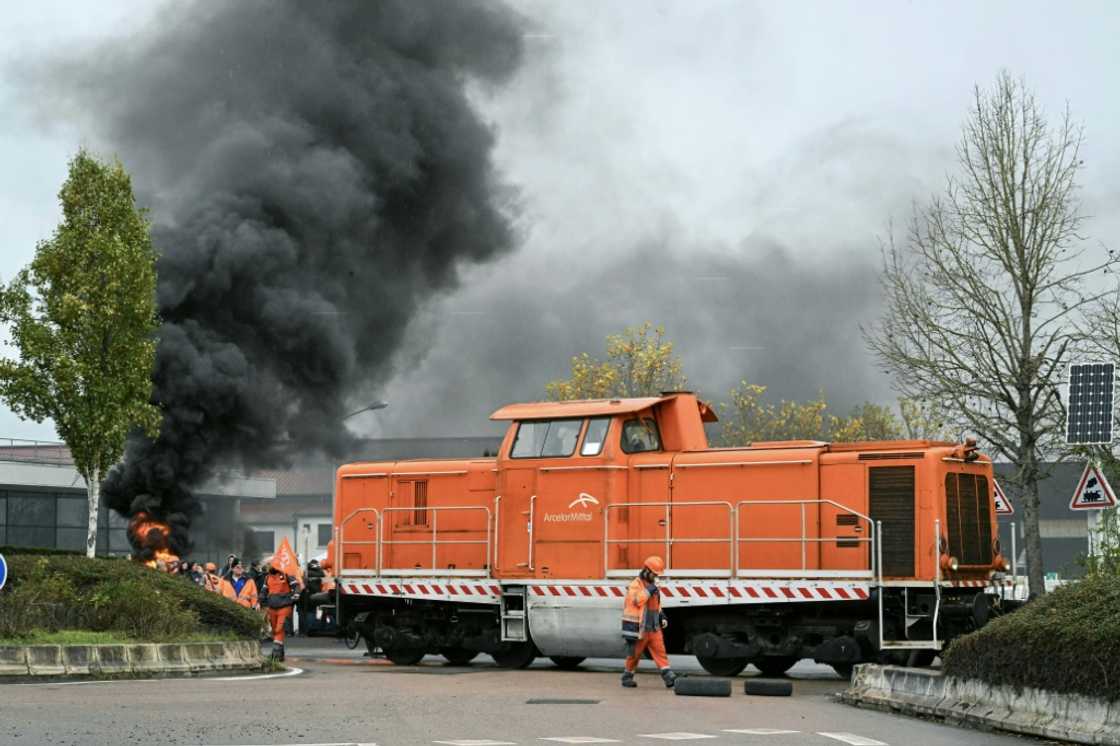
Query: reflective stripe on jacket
(641, 610)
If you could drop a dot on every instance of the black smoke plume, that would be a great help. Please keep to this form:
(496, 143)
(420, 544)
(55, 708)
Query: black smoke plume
(315, 172)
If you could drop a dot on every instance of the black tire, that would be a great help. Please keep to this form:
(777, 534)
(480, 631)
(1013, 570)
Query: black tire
(768, 688)
(774, 665)
(458, 656)
(353, 637)
(566, 662)
(405, 656)
(686, 686)
(723, 666)
(515, 654)
(844, 670)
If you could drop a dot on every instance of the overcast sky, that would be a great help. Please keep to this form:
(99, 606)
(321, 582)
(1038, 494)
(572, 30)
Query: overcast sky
(726, 169)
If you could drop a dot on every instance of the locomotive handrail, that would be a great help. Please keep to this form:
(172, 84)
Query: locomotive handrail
(804, 539)
(434, 541)
(668, 539)
(341, 558)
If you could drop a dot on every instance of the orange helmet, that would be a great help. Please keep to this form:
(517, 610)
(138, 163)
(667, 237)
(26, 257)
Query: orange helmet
(655, 564)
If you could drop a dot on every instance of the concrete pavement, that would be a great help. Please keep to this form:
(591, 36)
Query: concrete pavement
(344, 698)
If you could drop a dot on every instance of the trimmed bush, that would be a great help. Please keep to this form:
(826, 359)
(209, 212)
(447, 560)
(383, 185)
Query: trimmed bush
(1067, 641)
(54, 592)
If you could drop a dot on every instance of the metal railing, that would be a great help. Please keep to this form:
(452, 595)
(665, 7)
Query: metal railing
(734, 540)
(435, 542)
(668, 539)
(376, 526)
(804, 539)
(35, 452)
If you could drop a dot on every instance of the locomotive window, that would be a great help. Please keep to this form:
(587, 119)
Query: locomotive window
(596, 434)
(639, 436)
(546, 438)
(561, 438)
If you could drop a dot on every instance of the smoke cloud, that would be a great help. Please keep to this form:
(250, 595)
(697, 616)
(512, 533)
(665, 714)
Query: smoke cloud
(315, 172)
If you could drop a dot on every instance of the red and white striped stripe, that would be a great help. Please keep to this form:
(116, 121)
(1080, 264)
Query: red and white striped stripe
(674, 593)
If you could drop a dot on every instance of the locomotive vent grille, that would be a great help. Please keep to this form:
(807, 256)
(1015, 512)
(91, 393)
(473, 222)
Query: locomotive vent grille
(888, 455)
(968, 518)
(891, 498)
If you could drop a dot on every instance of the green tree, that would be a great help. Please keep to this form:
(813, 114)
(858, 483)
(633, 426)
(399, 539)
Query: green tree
(82, 316)
(640, 362)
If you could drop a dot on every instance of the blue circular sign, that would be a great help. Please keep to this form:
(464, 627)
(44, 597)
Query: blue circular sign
(3, 571)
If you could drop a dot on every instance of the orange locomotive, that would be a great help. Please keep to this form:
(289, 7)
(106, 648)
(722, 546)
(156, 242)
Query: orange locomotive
(774, 552)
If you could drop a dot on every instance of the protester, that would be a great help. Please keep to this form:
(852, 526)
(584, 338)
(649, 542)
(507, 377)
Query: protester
(280, 594)
(244, 589)
(198, 575)
(215, 583)
(227, 568)
(314, 577)
(642, 623)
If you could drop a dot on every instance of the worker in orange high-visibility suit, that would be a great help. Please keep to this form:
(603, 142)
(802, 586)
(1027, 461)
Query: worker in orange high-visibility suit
(278, 595)
(244, 588)
(642, 622)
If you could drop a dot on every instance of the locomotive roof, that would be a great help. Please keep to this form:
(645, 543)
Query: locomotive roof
(575, 408)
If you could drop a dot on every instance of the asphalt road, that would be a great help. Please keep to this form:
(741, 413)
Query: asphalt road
(343, 698)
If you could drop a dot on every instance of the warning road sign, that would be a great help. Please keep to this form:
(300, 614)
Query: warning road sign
(1003, 505)
(1093, 491)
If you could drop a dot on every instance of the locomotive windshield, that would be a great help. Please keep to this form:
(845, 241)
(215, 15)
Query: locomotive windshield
(639, 436)
(546, 439)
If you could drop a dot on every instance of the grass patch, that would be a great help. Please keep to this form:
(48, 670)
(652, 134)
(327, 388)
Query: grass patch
(1067, 641)
(65, 594)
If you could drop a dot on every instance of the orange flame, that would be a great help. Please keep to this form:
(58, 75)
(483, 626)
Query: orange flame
(152, 535)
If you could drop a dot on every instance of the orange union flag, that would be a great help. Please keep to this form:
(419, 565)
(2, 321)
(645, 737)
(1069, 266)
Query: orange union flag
(285, 560)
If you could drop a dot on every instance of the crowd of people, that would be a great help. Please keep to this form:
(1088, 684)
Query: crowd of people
(260, 586)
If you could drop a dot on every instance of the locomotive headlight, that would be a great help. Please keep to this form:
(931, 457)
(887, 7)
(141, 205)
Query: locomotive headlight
(949, 563)
(953, 564)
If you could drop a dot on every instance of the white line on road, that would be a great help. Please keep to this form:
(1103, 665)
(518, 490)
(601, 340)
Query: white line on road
(476, 742)
(852, 739)
(193, 679)
(347, 743)
(582, 739)
(678, 736)
(760, 731)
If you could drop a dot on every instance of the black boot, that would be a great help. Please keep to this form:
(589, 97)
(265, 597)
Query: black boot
(668, 677)
(278, 651)
(628, 679)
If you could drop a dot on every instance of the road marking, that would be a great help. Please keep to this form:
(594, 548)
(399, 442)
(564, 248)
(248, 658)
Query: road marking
(347, 743)
(677, 736)
(581, 739)
(193, 679)
(476, 742)
(760, 731)
(852, 739)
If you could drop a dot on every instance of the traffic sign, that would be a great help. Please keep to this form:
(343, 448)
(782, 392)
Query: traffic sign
(1093, 491)
(3, 571)
(1003, 505)
(1089, 415)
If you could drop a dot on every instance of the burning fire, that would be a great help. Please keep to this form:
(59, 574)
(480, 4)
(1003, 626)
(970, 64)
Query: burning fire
(151, 536)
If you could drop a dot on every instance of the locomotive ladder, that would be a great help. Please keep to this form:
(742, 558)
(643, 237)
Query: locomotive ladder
(903, 589)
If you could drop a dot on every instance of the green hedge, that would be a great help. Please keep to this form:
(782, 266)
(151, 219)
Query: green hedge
(1067, 641)
(55, 592)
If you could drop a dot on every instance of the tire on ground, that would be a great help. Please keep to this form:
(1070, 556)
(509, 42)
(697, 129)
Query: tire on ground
(686, 686)
(767, 688)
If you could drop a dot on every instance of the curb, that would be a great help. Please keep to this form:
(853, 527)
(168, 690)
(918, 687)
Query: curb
(1034, 712)
(161, 659)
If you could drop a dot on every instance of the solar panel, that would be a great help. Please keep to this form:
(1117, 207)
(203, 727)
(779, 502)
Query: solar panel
(1089, 417)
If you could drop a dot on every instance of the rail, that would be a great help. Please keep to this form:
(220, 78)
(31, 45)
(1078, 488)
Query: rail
(668, 539)
(340, 558)
(804, 539)
(435, 542)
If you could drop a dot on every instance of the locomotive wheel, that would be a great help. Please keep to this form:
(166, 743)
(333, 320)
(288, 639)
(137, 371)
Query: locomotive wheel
(515, 654)
(458, 656)
(774, 665)
(566, 662)
(404, 656)
(723, 666)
